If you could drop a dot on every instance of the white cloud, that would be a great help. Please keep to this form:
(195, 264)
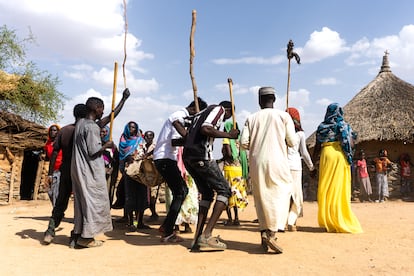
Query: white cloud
(237, 89)
(327, 81)
(250, 60)
(324, 102)
(321, 45)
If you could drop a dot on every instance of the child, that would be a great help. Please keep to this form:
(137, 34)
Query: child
(405, 163)
(363, 178)
(381, 167)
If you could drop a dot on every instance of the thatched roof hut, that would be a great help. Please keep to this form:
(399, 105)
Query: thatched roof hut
(21, 165)
(382, 114)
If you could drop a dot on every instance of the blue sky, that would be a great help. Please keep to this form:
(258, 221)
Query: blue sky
(341, 44)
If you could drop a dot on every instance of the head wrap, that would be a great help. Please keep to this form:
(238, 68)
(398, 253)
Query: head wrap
(128, 143)
(294, 113)
(334, 128)
(106, 137)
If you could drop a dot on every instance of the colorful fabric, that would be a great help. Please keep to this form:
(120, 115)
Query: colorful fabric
(238, 186)
(189, 209)
(334, 128)
(334, 191)
(128, 144)
(236, 152)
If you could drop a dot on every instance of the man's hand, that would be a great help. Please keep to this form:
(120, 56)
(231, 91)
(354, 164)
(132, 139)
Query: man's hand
(126, 94)
(108, 145)
(234, 133)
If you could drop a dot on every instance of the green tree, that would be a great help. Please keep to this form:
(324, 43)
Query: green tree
(25, 89)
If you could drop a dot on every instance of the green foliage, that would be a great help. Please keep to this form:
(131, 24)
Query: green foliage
(24, 89)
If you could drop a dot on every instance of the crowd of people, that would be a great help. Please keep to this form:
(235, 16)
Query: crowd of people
(267, 152)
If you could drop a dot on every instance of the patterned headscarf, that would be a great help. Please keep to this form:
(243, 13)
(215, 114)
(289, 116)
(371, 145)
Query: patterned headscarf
(128, 143)
(294, 113)
(334, 128)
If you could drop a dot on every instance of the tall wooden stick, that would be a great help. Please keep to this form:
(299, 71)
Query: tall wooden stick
(125, 52)
(192, 55)
(113, 101)
(290, 55)
(233, 114)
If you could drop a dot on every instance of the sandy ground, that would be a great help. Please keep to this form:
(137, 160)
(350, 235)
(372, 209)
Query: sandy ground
(385, 248)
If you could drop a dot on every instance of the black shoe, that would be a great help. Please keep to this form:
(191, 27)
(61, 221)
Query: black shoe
(73, 239)
(122, 220)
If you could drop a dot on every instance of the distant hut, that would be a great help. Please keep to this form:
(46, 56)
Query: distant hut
(382, 114)
(21, 142)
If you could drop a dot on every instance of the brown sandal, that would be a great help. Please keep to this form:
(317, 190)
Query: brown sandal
(89, 243)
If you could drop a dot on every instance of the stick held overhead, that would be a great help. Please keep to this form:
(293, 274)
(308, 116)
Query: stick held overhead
(125, 37)
(113, 101)
(290, 55)
(192, 55)
(233, 114)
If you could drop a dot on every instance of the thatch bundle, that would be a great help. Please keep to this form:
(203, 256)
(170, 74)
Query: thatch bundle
(17, 133)
(8, 83)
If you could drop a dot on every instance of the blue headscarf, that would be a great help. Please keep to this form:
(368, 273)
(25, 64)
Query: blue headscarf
(106, 137)
(334, 128)
(128, 143)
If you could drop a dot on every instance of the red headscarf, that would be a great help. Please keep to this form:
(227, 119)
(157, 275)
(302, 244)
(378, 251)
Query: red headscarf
(294, 113)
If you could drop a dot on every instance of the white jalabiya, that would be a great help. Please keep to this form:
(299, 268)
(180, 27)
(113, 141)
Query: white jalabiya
(267, 134)
(295, 155)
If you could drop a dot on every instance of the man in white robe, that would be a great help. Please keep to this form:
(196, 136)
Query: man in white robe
(267, 134)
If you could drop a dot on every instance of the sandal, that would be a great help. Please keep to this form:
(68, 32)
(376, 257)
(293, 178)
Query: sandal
(89, 243)
(173, 238)
(264, 241)
(211, 242)
(271, 242)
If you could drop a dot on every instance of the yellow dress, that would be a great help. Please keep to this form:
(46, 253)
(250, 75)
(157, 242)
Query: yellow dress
(234, 176)
(334, 191)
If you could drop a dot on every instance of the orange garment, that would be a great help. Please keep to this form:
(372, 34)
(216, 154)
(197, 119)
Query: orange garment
(381, 164)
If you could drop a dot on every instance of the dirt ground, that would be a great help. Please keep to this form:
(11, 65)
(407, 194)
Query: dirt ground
(385, 248)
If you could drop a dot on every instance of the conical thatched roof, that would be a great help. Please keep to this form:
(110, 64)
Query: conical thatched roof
(383, 110)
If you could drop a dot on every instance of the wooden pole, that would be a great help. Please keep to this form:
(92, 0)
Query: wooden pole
(192, 55)
(233, 114)
(125, 52)
(288, 85)
(113, 101)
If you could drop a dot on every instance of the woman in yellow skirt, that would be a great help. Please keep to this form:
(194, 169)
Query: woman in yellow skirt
(334, 142)
(236, 172)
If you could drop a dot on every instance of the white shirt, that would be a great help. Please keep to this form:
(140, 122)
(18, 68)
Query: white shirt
(163, 148)
(299, 151)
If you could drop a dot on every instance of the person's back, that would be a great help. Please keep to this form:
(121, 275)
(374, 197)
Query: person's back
(267, 129)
